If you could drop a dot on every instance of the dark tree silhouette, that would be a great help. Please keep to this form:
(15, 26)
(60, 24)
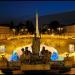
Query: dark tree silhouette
(13, 26)
(44, 28)
(19, 27)
(29, 25)
(56, 26)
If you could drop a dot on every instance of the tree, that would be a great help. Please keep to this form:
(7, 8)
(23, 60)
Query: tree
(26, 27)
(57, 27)
(19, 26)
(44, 28)
(29, 25)
(11, 24)
(54, 25)
(13, 27)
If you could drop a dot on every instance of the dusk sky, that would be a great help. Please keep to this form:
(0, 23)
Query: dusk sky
(26, 9)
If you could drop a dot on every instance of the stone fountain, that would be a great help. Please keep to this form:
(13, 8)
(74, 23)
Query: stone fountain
(36, 42)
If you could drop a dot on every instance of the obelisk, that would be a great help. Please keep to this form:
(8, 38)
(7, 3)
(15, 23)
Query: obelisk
(36, 39)
(37, 29)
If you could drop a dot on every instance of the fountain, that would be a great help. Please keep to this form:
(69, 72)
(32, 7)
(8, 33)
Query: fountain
(35, 62)
(36, 42)
(35, 65)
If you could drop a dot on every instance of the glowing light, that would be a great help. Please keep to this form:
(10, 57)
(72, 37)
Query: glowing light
(14, 57)
(52, 34)
(71, 47)
(54, 56)
(2, 48)
(60, 58)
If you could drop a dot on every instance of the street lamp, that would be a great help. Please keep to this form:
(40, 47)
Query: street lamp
(22, 30)
(26, 30)
(14, 30)
(49, 30)
(60, 29)
(52, 32)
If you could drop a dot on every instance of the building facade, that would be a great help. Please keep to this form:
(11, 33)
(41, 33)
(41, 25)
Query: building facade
(5, 32)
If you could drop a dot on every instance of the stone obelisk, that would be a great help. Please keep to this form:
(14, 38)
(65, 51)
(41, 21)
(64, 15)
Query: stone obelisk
(36, 39)
(37, 29)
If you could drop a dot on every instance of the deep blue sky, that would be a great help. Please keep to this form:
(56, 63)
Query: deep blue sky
(26, 9)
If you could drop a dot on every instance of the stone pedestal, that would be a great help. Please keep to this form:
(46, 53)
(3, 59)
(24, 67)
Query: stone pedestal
(35, 49)
(36, 45)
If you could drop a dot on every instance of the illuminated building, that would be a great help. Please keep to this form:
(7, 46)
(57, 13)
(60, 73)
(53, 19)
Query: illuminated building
(5, 32)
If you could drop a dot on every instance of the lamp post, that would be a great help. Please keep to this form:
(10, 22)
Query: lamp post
(52, 32)
(49, 30)
(26, 30)
(22, 30)
(59, 29)
(14, 30)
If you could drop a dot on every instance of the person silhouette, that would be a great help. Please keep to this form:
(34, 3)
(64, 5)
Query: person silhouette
(23, 56)
(27, 55)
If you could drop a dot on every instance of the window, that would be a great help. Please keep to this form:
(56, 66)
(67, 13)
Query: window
(2, 48)
(71, 47)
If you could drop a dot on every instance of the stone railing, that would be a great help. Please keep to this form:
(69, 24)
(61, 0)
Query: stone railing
(45, 36)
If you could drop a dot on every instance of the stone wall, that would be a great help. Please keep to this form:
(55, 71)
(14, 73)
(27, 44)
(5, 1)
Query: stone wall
(70, 30)
(61, 44)
(5, 32)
